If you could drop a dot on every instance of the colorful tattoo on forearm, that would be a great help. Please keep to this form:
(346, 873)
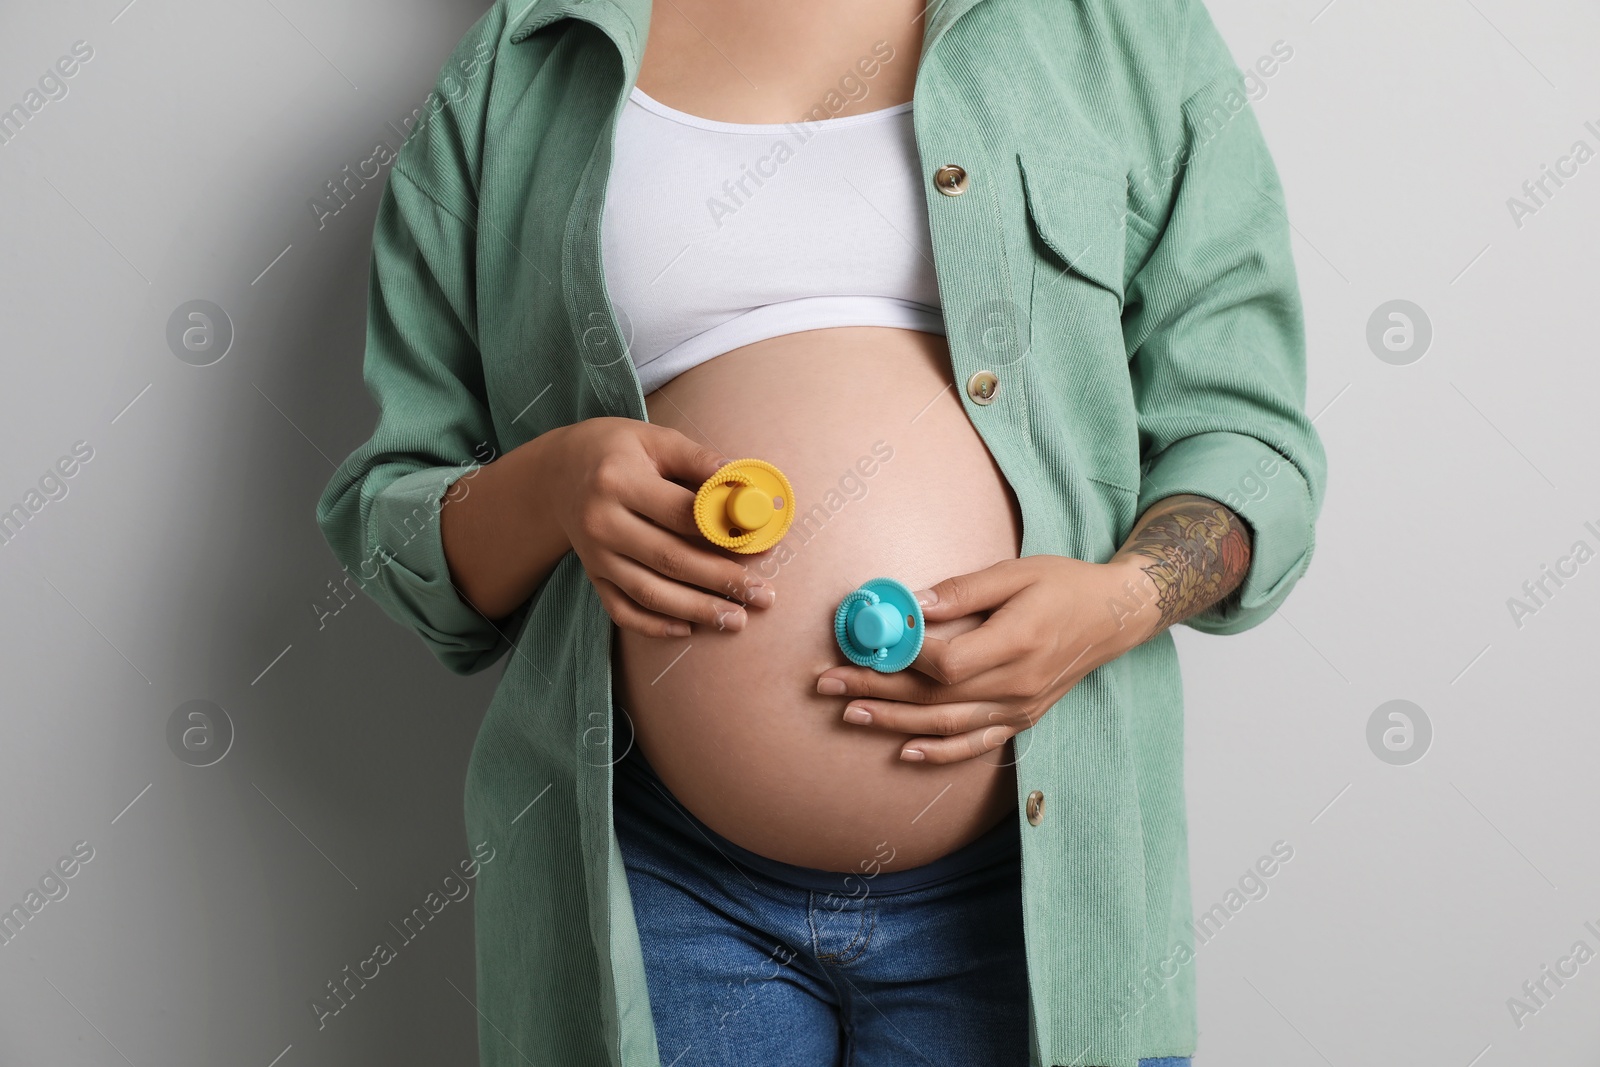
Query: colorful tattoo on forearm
(1199, 552)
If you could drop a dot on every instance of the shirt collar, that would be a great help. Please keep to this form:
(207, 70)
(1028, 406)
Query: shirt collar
(627, 22)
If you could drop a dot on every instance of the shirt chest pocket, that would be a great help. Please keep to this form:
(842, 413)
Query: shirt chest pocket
(1077, 212)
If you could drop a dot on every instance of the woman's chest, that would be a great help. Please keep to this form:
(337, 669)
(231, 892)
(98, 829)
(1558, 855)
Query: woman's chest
(765, 62)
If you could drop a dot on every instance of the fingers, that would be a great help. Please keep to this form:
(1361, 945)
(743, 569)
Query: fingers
(665, 503)
(678, 456)
(660, 596)
(674, 558)
(616, 529)
(1003, 678)
(905, 686)
(636, 535)
(943, 733)
(943, 720)
(982, 590)
(630, 616)
(966, 657)
(959, 748)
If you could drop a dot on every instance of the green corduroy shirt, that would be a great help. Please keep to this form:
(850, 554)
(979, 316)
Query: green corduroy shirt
(1119, 260)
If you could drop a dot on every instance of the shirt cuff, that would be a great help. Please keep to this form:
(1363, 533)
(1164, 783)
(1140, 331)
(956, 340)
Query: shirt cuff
(407, 554)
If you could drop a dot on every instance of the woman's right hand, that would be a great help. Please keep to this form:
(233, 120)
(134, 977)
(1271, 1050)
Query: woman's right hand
(616, 495)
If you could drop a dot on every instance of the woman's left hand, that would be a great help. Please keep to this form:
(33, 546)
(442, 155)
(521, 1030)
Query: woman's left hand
(1053, 620)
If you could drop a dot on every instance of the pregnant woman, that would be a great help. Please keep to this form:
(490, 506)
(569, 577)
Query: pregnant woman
(1003, 287)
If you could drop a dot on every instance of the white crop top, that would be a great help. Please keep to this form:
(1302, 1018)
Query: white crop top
(718, 234)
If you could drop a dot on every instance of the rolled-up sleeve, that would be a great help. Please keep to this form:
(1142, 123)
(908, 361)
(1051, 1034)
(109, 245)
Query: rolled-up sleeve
(380, 512)
(1216, 341)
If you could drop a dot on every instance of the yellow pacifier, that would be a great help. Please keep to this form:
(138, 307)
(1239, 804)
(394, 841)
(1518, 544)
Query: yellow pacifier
(746, 506)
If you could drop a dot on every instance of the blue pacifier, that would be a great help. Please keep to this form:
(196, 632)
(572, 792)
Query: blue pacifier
(879, 626)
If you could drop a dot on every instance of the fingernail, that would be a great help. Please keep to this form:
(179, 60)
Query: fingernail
(858, 715)
(927, 598)
(731, 620)
(677, 629)
(830, 687)
(912, 755)
(761, 596)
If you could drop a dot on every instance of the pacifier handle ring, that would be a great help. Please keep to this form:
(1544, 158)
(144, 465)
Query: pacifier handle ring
(857, 595)
(868, 598)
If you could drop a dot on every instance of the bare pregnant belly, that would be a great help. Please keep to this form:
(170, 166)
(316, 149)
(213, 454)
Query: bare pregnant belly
(890, 479)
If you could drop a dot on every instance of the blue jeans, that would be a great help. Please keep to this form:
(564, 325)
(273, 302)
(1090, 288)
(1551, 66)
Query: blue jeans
(754, 961)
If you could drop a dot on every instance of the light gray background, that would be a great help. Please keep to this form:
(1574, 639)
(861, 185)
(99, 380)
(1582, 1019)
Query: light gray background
(184, 561)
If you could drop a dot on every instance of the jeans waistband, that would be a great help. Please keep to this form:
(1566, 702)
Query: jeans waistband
(640, 793)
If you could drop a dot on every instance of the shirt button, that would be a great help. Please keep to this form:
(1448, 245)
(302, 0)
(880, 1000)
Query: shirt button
(982, 386)
(1035, 807)
(950, 180)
